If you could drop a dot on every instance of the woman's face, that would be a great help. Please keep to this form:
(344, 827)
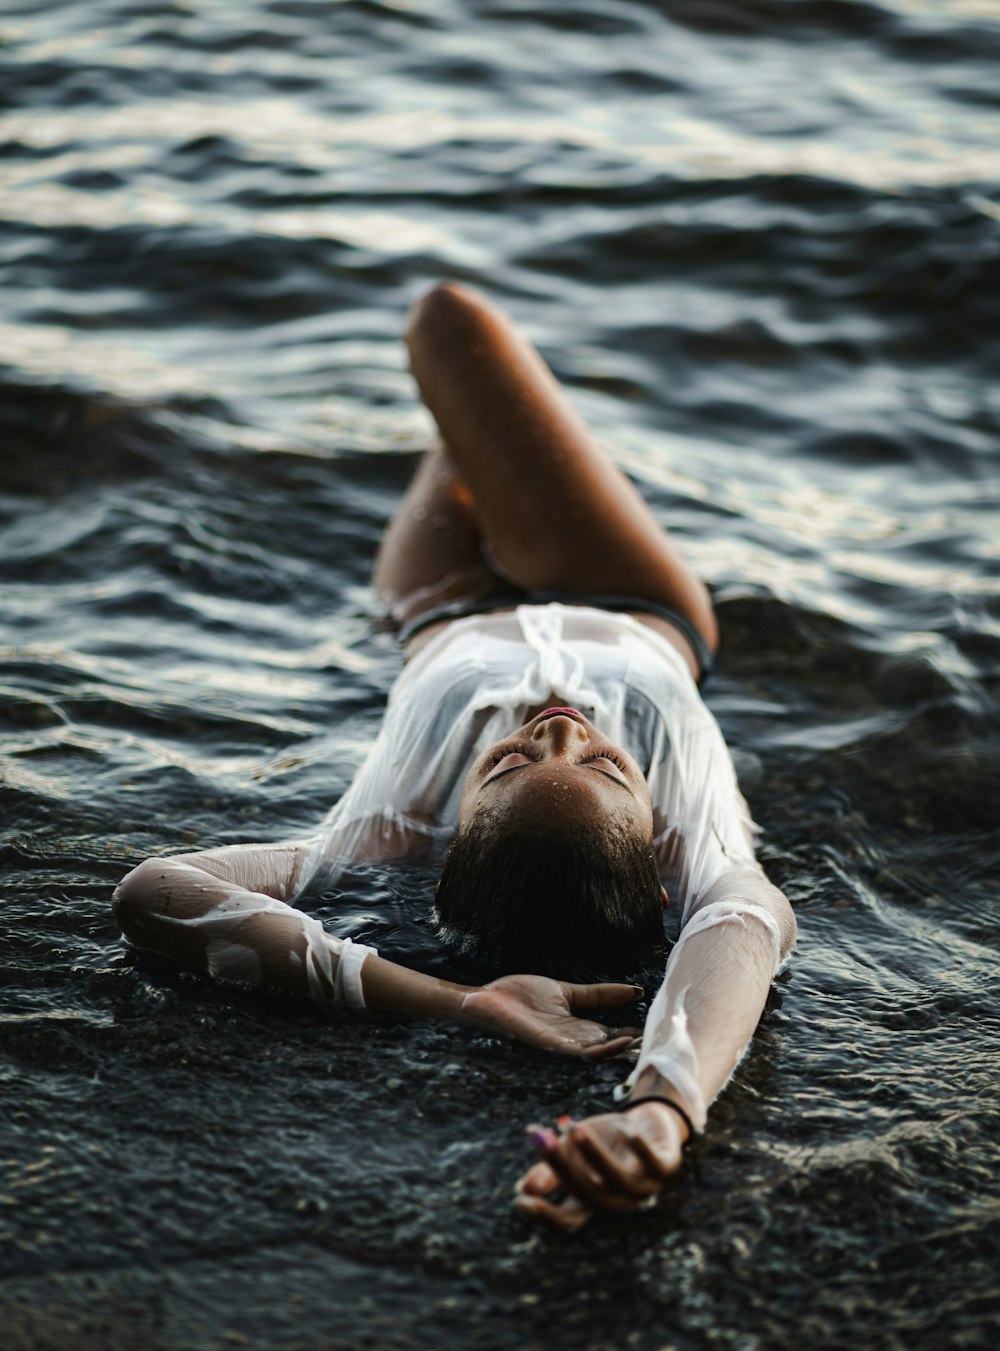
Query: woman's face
(558, 764)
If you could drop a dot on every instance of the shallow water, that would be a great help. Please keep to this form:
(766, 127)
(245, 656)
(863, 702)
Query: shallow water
(762, 244)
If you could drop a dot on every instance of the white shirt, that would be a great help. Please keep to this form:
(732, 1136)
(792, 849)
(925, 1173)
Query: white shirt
(470, 686)
(474, 683)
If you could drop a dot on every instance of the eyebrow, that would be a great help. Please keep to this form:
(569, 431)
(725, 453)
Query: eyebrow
(513, 769)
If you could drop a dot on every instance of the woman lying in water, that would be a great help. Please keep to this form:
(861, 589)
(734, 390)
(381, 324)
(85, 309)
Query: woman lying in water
(547, 723)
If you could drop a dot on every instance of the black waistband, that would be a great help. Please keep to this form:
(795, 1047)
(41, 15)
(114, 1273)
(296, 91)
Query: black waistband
(462, 609)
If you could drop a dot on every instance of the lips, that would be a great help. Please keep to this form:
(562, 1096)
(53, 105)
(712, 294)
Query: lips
(562, 713)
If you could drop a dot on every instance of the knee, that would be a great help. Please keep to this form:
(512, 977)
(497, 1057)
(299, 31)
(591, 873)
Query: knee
(446, 307)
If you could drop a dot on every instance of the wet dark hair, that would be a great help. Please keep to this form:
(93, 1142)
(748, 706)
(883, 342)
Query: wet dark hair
(577, 902)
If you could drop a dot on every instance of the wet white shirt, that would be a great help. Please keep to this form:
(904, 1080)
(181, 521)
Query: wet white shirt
(474, 683)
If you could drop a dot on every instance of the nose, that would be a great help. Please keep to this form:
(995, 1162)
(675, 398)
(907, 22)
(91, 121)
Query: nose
(559, 735)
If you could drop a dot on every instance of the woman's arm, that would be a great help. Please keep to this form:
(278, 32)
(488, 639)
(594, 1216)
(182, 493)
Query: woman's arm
(697, 1031)
(225, 912)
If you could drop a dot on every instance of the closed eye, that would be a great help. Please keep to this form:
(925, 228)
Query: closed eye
(512, 748)
(606, 755)
(506, 760)
(610, 767)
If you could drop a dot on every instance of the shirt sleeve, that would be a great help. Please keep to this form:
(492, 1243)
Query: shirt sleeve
(225, 911)
(706, 841)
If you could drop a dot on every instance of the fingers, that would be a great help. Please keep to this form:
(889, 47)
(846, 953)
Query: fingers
(582, 1178)
(604, 996)
(626, 1174)
(658, 1159)
(532, 1197)
(539, 1180)
(605, 1163)
(605, 1050)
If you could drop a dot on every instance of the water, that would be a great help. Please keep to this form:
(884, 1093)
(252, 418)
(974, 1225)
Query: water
(762, 245)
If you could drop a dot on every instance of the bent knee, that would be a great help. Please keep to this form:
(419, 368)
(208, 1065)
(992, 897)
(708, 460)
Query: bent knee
(446, 308)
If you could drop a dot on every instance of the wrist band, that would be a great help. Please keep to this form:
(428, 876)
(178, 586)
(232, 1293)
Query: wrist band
(669, 1102)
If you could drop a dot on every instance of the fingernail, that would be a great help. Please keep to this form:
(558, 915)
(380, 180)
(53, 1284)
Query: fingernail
(543, 1140)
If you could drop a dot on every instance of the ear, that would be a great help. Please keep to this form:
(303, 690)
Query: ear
(666, 898)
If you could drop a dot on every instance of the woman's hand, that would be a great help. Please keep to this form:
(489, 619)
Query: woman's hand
(616, 1161)
(542, 1012)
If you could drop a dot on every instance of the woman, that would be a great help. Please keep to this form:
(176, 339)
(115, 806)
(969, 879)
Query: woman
(549, 721)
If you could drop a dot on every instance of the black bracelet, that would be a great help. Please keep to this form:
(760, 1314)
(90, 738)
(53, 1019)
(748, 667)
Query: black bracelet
(656, 1097)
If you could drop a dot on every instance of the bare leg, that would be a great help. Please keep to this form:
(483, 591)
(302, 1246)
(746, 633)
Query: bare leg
(556, 512)
(431, 551)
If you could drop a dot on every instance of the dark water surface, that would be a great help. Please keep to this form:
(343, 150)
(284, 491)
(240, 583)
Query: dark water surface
(762, 244)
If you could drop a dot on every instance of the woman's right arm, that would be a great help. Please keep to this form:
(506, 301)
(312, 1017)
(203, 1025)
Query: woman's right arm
(225, 912)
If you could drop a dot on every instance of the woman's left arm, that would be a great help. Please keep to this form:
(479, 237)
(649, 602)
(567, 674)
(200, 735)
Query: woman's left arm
(698, 1029)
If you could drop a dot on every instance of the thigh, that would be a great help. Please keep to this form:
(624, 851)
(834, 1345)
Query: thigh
(556, 512)
(431, 552)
